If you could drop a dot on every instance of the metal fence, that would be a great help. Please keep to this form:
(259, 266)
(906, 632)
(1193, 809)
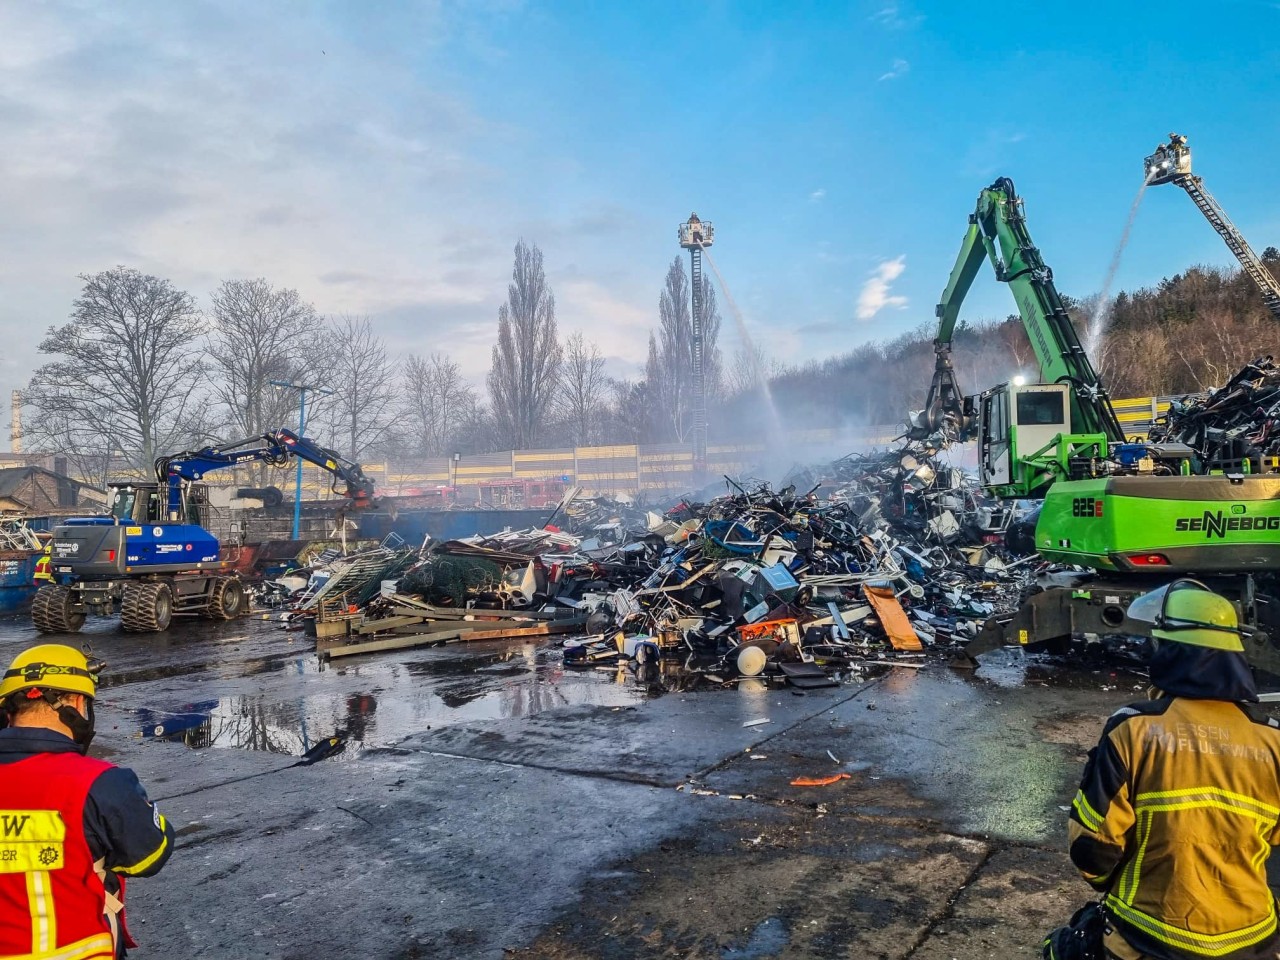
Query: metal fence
(627, 468)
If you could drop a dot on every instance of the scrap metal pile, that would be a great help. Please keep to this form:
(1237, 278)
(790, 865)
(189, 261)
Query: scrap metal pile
(886, 554)
(1238, 420)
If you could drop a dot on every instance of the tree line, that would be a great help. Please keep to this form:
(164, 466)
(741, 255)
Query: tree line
(1187, 334)
(139, 370)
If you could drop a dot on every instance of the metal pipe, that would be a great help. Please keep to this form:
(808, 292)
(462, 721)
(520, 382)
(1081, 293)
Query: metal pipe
(302, 389)
(297, 485)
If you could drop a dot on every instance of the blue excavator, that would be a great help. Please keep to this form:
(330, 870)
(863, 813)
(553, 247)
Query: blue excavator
(150, 556)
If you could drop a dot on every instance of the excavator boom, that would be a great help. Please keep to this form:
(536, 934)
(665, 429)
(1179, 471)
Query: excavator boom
(276, 449)
(998, 233)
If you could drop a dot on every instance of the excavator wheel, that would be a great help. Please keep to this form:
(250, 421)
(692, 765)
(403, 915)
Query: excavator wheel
(53, 610)
(227, 599)
(146, 607)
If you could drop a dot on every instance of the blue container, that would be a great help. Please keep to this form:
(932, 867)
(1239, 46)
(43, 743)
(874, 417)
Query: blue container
(17, 579)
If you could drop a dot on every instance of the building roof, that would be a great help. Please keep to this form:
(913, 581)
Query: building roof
(69, 490)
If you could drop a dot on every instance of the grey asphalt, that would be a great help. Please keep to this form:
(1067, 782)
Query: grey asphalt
(487, 797)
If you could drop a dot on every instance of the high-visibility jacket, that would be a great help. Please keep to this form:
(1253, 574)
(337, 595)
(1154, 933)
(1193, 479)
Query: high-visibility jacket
(44, 567)
(1175, 818)
(109, 830)
(52, 903)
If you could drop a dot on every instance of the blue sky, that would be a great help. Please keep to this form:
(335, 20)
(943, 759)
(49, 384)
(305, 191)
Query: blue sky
(384, 158)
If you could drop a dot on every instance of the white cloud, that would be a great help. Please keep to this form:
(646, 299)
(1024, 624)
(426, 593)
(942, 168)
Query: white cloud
(894, 17)
(875, 295)
(214, 144)
(899, 68)
(618, 326)
(817, 195)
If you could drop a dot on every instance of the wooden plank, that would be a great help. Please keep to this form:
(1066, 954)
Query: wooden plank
(406, 606)
(332, 628)
(424, 613)
(379, 646)
(490, 629)
(455, 635)
(431, 626)
(513, 633)
(408, 601)
(387, 623)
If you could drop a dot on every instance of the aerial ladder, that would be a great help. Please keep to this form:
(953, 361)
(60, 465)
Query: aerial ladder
(1171, 163)
(151, 557)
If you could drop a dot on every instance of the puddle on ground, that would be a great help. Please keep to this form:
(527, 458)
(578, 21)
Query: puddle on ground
(286, 703)
(376, 704)
(1092, 670)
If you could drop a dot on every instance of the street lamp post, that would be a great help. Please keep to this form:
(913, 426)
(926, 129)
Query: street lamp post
(453, 475)
(302, 389)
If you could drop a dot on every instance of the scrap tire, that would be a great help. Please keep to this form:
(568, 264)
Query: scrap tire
(53, 610)
(146, 607)
(226, 599)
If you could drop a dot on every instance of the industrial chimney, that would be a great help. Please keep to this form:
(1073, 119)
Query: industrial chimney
(15, 421)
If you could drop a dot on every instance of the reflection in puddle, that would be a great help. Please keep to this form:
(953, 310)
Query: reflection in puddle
(1092, 668)
(376, 704)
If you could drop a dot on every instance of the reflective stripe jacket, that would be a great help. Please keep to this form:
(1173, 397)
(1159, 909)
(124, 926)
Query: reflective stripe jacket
(1175, 818)
(61, 813)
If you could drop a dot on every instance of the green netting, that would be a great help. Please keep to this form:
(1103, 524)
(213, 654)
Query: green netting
(444, 579)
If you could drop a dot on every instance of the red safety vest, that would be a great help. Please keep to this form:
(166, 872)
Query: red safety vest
(52, 903)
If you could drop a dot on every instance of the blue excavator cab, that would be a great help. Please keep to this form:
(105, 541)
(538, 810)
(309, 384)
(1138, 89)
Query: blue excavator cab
(139, 535)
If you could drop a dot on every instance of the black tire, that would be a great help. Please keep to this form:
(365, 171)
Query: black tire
(226, 599)
(146, 607)
(53, 610)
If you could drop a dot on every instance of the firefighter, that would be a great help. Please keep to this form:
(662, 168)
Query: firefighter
(44, 565)
(1179, 805)
(72, 827)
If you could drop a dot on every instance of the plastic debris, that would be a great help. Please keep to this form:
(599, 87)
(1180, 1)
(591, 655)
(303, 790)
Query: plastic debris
(820, 781)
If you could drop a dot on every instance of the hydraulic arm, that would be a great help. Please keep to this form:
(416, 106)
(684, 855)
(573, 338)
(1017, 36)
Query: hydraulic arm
(277, 449)
(1171, 163)
(998, 233)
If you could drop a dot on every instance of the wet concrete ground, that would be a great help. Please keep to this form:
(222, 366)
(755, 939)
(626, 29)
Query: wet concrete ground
(490, 804)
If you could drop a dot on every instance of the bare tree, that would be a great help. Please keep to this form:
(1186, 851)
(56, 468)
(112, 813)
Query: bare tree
(477, 431)
(750, 366)
(358, 416)
(261, 334)
(526, 358)
(624, 416)
(437, 402)
(712, 364)
(669, 369)
(127, 376)
(582, 389)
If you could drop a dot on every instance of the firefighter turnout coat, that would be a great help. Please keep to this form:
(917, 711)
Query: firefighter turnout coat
(71, 829)
(1178, 810)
